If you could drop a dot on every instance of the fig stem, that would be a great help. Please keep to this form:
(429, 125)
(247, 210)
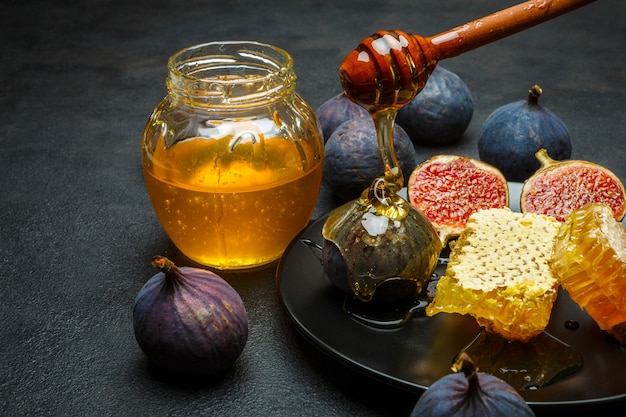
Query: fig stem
(464, 363)
(534, 93)
(173, 275)
(162, 263)
(543, 157)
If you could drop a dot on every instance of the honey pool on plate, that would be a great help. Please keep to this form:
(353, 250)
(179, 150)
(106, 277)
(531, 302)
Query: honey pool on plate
(230, 206)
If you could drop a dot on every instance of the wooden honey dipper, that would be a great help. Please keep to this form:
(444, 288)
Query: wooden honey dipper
(389, 68)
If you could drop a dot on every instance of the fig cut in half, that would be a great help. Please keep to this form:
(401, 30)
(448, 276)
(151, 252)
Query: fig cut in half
(447, 189)
(560, 187)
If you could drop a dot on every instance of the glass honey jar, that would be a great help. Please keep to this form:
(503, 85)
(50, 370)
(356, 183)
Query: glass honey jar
(232, 156)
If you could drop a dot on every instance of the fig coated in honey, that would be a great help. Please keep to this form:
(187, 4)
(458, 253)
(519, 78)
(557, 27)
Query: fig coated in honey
(513, 133)
(189, 321)
(377, 240)
(440, 113)
(352, 159)
(334, 266)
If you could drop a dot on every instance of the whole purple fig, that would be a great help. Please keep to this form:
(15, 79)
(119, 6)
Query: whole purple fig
(189, 321)
(513, 133)
(440, 113)
(336, 110)
(470, 393)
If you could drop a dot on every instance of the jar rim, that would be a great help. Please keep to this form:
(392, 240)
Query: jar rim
(230, 72)
(187, 61)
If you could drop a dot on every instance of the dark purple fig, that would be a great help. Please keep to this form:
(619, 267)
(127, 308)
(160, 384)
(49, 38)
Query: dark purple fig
(378, 247)
(352, 159)
(440, 113)
(335, 267)
(334, 111)
(390, 290)
(511, 136)
(189, 321)
(470, 393)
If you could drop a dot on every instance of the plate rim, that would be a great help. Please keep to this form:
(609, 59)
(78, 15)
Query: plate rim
(376, 374)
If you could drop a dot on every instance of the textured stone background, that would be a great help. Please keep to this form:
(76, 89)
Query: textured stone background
(78, 81)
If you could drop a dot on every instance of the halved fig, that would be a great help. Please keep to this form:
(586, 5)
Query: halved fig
(447, 189)
(560, 187)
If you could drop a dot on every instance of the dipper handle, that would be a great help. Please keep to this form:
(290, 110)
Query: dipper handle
(389, 68)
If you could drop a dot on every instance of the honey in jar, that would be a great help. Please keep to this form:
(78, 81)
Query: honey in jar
(232, 157)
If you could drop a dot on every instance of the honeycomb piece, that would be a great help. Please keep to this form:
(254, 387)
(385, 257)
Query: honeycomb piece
(589, 259)
(499, 273)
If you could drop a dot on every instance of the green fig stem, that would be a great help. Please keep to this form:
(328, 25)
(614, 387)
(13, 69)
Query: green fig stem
(534, 93)
(173, 275)
(543, 157)
(162, 263)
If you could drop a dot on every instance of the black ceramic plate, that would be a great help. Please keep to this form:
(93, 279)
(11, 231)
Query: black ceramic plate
(415, 355)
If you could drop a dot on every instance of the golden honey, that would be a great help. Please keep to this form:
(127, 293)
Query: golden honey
(232, 157)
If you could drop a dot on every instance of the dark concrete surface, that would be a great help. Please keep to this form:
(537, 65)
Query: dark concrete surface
(78, 81)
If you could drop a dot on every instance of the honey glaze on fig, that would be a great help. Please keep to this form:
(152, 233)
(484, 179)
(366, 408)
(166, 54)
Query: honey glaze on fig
(395, 301)
(379, 239)
(399, 310)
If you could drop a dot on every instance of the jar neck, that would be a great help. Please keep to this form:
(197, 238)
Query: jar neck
(230, 74)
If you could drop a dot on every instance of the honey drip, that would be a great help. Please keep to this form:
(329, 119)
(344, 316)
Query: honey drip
(530, 365)
(383, 195)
